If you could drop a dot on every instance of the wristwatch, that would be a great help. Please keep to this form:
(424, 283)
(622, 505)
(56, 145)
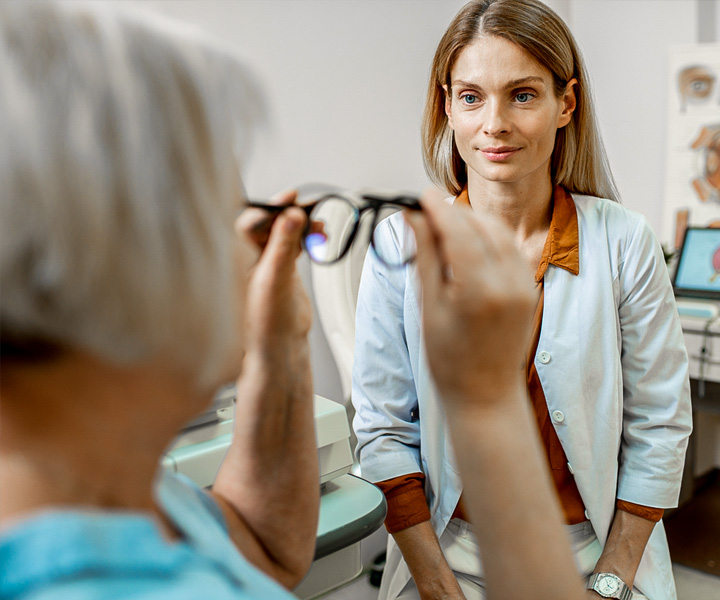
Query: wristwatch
(609, 585)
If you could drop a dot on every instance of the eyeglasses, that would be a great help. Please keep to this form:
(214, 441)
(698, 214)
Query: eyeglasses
(334, 221)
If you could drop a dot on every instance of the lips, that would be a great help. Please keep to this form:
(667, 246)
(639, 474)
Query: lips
(499, 153)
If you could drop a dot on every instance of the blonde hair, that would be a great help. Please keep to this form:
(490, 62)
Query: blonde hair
(119, 183)
(579, 162)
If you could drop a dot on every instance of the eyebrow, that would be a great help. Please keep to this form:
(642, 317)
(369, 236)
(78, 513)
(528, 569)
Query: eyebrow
(510, 84)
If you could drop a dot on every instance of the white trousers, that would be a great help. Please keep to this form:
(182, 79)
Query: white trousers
(462, 554)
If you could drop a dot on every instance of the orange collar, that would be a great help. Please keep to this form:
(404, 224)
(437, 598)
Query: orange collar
(562, 245)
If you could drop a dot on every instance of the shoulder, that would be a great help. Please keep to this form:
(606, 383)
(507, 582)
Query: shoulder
(178, 495)
(100, 550)
(612, 221)
(593, 209)
(125, 554)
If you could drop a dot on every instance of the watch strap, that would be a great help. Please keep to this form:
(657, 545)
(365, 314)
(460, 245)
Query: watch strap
(624, 593)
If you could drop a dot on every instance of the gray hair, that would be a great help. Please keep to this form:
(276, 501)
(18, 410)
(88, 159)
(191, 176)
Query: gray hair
(119, 182)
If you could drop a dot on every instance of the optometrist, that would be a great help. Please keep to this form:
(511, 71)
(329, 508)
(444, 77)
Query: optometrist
(510, 130)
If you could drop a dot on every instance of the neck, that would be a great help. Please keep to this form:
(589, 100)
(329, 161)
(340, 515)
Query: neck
(79, 432)
(525, 207)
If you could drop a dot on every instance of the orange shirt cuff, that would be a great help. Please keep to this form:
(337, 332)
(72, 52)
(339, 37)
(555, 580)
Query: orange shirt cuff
(406, 504)
(646, 512)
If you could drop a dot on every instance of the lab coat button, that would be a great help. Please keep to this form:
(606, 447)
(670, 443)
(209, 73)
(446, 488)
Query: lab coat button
(544, 357)
(572, 471)
(558, 416)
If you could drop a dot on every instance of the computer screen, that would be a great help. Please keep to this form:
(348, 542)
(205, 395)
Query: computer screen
(698, 270)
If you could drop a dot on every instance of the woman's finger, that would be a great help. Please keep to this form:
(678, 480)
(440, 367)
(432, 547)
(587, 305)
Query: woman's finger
(458, 242)
(283, 245)
(257, 223)
(429, 260)
(284, 198)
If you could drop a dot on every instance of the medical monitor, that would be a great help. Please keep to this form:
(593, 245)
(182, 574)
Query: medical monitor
(698, 268)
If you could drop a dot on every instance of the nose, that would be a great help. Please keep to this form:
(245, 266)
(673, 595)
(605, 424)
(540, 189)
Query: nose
(496, 121)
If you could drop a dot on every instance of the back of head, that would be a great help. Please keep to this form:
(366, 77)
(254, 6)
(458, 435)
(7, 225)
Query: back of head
(579, 162)
(119, 182)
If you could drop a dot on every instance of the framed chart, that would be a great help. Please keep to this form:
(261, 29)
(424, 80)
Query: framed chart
(692, 175)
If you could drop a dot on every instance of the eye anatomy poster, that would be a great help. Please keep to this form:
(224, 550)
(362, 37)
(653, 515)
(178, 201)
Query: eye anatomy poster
(692, 180)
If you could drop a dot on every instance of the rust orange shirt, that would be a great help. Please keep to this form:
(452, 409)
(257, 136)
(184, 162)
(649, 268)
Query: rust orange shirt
(405, 495)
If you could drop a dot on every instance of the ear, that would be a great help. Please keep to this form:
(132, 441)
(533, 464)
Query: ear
(569, 102)
(448, 105)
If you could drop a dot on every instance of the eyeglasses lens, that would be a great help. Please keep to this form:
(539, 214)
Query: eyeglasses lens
(337, 218)
(394, 241)
(337, 222)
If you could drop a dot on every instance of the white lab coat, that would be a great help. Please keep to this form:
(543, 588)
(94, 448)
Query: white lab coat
(611, 359)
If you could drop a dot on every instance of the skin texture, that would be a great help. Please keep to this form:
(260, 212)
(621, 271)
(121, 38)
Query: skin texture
(66, 422)
(421, 549)
(624, 548)
(500, 98)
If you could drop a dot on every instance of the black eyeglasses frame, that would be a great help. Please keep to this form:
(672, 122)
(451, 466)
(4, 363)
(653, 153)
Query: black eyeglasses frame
(373, 202)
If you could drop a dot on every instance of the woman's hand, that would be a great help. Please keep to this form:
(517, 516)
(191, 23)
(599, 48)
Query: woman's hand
(478, 299)
(278, 309)
(431, 573)
(268, 482)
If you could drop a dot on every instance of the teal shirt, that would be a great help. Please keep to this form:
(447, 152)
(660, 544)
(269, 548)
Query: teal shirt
(85, 554)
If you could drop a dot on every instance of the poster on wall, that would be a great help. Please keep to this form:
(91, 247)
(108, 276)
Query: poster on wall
(692, 174)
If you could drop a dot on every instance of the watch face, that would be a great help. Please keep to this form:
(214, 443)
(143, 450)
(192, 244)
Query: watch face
(607, 585)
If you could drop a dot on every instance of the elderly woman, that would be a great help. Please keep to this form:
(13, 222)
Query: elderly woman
(509, 130)
(125, 288)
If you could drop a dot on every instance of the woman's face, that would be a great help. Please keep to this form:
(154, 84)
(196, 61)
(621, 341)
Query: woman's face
(505, 114)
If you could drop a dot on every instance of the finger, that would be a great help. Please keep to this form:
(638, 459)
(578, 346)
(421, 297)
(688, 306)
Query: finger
(500, 246)
(284, 245)
(460, 244)
(256, 224)
(434, 193)
(429, 261)
(493, 233)
(284, 198)
(446, 220)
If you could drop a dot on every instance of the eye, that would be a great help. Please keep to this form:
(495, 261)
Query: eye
(469, 98)
(696, 84)
(700, 87)
(524, 97)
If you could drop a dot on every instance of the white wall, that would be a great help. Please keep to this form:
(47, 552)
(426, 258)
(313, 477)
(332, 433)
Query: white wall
(625, 44)
(345, 84)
